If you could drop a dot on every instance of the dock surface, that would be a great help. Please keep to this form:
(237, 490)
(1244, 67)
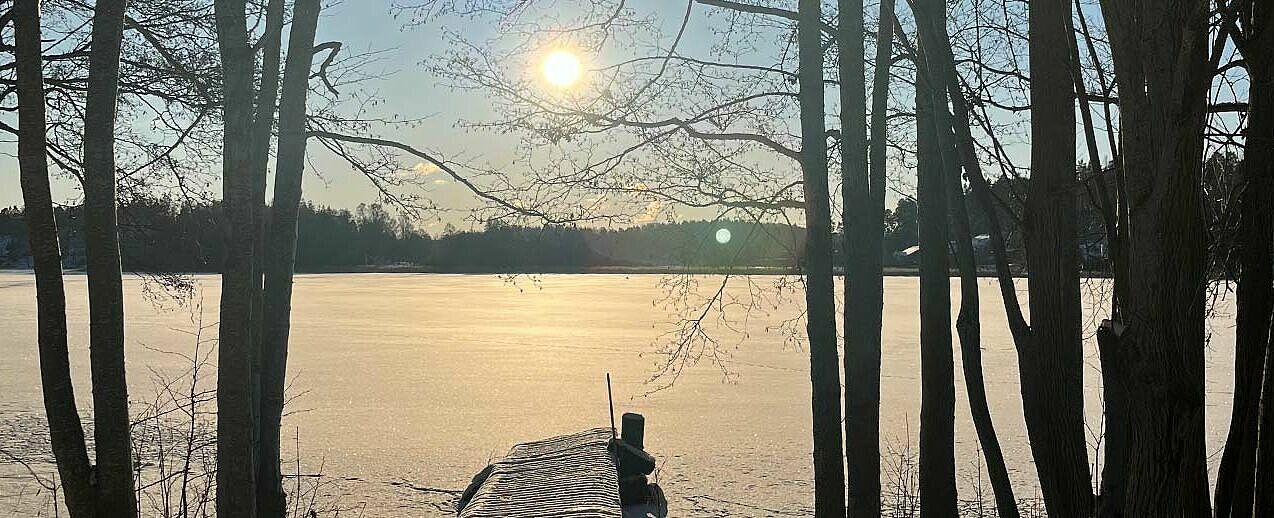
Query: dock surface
(571, 476)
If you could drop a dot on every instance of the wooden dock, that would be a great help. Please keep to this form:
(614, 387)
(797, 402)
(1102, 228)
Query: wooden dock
(571, 476)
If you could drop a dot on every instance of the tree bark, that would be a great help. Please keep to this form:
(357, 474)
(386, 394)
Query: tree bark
(937, 369)
(105, 281)
(1156, 350)
(863, 228)
(1051, 363)
(262, 129)
(960, 150)
(66, 433)
(1259, 164)
(236, 410)
(969, 329)
(1236, 477)
(820, 296)
(1264, 505)
(280, 258)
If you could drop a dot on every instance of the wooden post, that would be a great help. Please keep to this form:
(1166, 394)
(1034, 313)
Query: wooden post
(633, 431)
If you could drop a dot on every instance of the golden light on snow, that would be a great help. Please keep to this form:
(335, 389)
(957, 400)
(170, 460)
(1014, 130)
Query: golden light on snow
(561, 68)
(723, 236)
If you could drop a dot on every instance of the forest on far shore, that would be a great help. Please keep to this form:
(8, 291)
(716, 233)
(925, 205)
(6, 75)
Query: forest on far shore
(160, 235)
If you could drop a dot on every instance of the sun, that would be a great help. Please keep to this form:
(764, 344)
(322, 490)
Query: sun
(561, 68)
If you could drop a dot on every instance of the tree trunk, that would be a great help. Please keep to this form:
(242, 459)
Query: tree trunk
(1023, 335)
(862, 224)
(1052, 363)
(1264, 505)
(1255, 301)
(105, 281)
(66, 433)
(262, 129)
(1156, 349)
(960, 150)
(969, 328)
(280, 260)
(268, 495)
(1105, 202)
(1115, 401)
(236, 410)
(820, 295)
(1259, 164)
(937, 369)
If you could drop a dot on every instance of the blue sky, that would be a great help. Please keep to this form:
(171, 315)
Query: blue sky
(410, 91)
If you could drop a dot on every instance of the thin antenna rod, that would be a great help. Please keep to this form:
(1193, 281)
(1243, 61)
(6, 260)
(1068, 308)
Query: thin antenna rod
(611, 401)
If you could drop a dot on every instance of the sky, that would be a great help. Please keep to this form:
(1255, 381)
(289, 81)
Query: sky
(410, 91)
(407, 89)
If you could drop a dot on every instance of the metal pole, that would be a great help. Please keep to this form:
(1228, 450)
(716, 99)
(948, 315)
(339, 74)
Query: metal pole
(611, 401)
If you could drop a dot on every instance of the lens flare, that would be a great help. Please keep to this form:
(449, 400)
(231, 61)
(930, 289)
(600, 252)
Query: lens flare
(723, 236)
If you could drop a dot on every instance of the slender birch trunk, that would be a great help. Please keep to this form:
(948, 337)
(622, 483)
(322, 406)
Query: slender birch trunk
(937, 369)
(66, 433)
(1051, 363)
(111, 429)
(236, 409)
(862, 224)
(820, 296)
(280, 257)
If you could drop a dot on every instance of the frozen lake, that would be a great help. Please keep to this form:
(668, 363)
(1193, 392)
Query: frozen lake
(422, 378)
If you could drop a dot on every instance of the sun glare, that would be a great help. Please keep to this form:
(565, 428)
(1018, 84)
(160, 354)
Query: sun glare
(561, 68)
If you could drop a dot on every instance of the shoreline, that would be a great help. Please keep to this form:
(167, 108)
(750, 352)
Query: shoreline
(888, 271)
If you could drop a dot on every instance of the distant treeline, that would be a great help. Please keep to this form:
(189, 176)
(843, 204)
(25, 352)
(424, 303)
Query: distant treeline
(161, 236)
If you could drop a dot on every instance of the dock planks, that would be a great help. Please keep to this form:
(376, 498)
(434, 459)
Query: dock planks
(571, 476)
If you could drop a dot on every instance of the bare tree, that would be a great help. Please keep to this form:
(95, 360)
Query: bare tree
(1152, 352)
(280, 252)
(1051, 362)
(267, 92)
(114, 471)
(862, 224)
(1242, 472)
(820, 297)
(65, 431)
(1050, 358)
(937, 370)
(236, 407)
(954, 142)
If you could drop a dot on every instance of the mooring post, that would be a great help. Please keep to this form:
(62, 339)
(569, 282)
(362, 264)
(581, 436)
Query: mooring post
(634, 430)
